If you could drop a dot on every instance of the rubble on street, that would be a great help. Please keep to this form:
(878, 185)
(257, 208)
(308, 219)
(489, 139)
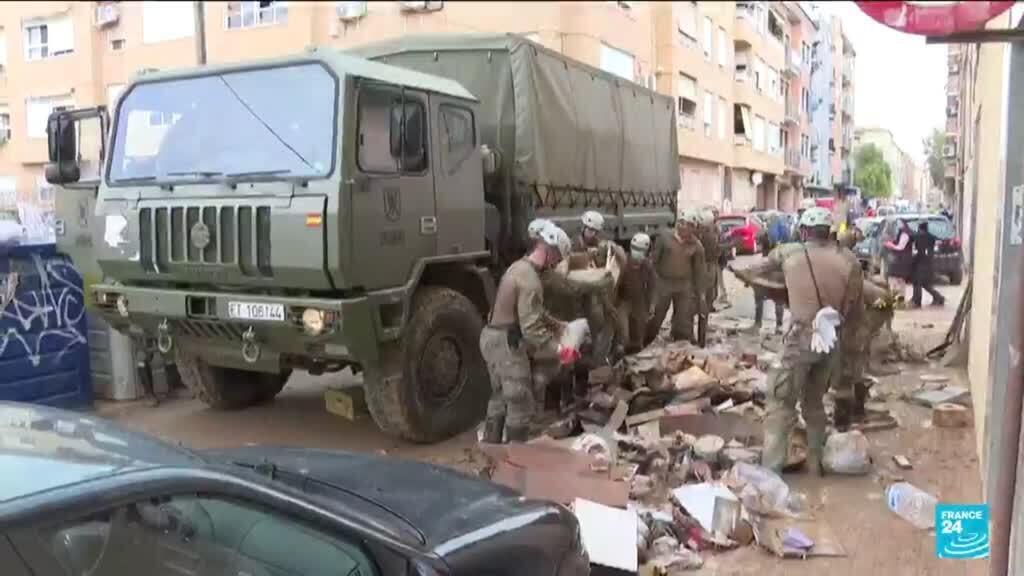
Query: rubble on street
(670, 439)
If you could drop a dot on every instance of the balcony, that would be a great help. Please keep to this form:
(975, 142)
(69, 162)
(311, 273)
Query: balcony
(792, 112)
(952, 127)
(793, 160)
(793, 63)
(848, 105)
(847, 73)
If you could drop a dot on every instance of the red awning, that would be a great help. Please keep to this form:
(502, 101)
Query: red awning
(934, 18)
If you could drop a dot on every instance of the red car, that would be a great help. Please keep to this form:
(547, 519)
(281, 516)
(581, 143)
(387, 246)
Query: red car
(742, 230)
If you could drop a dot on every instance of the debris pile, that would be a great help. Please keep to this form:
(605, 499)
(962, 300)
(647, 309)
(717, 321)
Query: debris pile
(669, 441)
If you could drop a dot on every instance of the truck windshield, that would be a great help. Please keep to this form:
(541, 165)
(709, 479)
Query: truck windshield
(269, 121)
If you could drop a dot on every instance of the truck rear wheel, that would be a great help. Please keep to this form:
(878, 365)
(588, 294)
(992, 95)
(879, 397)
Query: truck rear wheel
(435, 382)
(227, 388)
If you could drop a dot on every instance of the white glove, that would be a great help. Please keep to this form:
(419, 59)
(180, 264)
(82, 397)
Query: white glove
(825, 324)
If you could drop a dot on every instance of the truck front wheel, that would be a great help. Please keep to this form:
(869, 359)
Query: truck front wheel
(227, 388)
(434, 383)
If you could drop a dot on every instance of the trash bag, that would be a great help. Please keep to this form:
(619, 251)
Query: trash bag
(847, 453)
(763, 491)
(573, 337)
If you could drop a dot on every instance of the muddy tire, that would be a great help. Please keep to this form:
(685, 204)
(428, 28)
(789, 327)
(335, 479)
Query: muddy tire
(227, 388)
(434, 382)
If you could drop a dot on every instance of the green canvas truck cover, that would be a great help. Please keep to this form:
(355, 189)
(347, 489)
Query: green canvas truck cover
(571, 137)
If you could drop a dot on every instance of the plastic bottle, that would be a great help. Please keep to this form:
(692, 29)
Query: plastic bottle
(912, 504)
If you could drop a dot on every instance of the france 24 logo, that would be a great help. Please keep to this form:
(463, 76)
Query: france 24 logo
(961, 531)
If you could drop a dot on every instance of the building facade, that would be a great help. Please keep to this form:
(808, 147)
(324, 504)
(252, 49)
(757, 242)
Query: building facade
(740, 72)
(904, 172)
(832, 98)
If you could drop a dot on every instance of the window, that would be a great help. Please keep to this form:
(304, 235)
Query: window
(709, 112)
(164, 21)
(742, 66)
(773, 136)
(723, 117)
(759, 133)
(687, 23)
(709, 32)
(687, 89)
(227, 123)
(617, 62)
(805, 100)
(48, 38)
(392, 131)
(805, 146)
(38, 110)
(117, 44)
(458, 134)
(3, 50)
(184, 532)
(262, 13)
(723, 48)
(5, 124)
(805, 53)
(742, 128)
(8, 192)
(775, 26)
(759, 74)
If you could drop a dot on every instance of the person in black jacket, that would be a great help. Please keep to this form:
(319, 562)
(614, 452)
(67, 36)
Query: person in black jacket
(922, 272)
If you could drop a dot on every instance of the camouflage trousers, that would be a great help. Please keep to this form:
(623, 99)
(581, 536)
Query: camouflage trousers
(512, 395)
(632, 324)
(679, 295)
(801, 376)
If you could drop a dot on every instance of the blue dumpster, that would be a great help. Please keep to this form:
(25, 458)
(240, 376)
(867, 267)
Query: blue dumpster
(44, 348)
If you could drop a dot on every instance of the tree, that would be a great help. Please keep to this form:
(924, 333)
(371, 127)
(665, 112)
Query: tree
(933, 146)
(872, 173)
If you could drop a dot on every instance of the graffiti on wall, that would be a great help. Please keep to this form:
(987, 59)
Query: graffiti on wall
(41, 309)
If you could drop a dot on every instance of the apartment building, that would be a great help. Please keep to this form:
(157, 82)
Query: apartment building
(843, 129)
(904, 171)
(831, 106)
(731, 66)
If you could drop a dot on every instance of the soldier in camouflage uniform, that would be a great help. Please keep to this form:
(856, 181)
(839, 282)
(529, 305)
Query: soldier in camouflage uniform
(520, 329)
(635, 293)
(590, 250)
(817, 276)
(678, 260)
(708, 234)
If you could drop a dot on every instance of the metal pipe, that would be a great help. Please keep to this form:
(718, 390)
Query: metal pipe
(1009, 447)
(199, 13)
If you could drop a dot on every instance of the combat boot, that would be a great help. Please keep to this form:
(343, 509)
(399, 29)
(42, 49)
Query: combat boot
(518, 433)
(494, 427)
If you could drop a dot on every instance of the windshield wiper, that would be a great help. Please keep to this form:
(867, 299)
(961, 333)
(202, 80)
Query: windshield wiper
(258, 173)
(201, 173)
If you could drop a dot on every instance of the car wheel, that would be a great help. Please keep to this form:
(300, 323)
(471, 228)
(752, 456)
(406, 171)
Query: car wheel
(227, 388)
(434, 383)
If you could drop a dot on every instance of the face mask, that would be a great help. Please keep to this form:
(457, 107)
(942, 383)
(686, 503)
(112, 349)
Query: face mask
(638, 254)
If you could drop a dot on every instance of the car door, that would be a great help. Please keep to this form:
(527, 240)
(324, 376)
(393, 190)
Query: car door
(193, 534)
(393, 217)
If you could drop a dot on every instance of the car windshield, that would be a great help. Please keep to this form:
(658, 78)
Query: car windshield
(730, 222)
(266, 121)
(939, 227)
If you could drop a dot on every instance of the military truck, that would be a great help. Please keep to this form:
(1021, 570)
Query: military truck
(326, 210)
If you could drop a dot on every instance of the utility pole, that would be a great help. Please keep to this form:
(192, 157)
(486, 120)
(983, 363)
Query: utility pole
(200, 26)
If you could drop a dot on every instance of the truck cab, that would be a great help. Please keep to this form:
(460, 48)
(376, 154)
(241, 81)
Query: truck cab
(315, 212)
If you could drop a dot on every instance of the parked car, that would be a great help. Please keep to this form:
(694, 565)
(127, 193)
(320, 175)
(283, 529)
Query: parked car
(742, 230)
(81, 496)
(867, 248)
(949, 256)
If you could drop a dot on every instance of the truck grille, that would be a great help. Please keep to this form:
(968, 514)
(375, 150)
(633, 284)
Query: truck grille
(238, 236)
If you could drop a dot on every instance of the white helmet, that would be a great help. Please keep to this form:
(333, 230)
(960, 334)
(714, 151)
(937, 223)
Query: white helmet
(641, 242)
(555, 237)
(689, 216)
(536, 225)
(593, 220)
(807, 203)
(707, 216)
(814, 217)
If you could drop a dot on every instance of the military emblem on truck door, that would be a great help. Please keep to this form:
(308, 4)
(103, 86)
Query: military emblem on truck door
(200, 235)
(392, 203)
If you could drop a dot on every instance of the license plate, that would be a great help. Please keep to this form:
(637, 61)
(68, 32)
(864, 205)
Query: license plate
(256, 311)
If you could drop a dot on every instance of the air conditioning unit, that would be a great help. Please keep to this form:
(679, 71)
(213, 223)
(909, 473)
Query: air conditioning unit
(107, 14)
(949, 151)
(351, 11)
(424, 6)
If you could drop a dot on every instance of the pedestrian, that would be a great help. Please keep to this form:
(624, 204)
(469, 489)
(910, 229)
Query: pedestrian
(725, 253)
(901, 257)
(821, 284)
(635, 294)
(923, 272)
(708, 236)
(678, 261)
(519, 329)
(591, 250)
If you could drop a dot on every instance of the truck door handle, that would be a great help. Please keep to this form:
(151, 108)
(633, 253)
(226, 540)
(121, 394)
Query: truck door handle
(428, 225)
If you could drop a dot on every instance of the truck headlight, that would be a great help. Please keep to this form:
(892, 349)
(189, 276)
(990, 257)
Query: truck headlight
(314, 321)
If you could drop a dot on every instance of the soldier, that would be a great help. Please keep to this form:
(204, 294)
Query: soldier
(589, 249)
(678, 261)
(873, 312)
(635, 292)
(818, 278)
(520, 328)
(712, 252)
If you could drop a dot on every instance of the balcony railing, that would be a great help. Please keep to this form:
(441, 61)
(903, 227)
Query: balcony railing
(847, 74)
(793, 62)
(792, 111)
(848, 106)
(793, 158)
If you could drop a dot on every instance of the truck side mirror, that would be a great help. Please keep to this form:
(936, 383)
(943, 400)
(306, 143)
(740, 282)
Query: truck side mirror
(63, 151)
